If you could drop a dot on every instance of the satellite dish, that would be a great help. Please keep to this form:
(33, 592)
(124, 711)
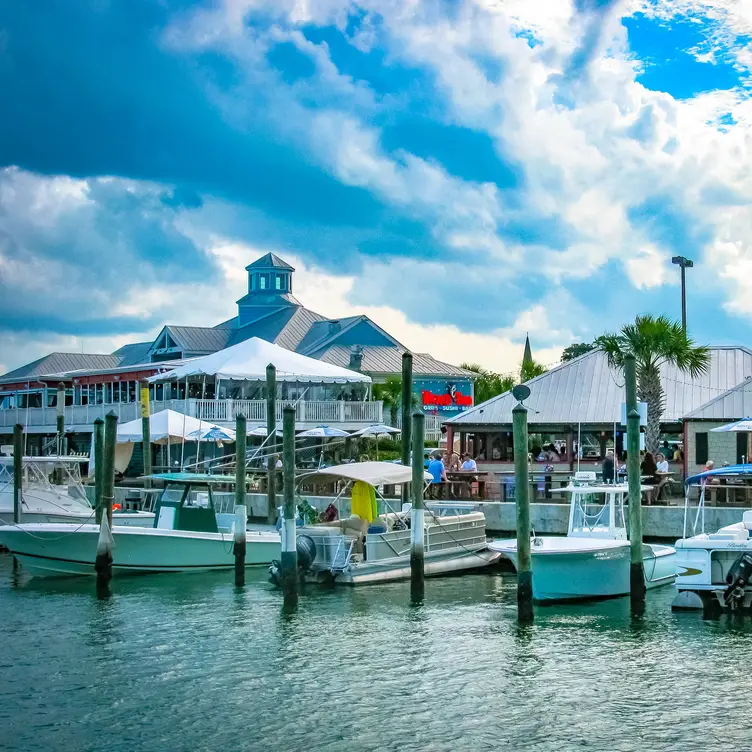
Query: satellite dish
(521, 392)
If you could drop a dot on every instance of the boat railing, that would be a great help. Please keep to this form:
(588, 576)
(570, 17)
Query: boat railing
(342, 554)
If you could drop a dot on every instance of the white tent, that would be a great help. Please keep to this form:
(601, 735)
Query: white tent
(168, 425)
(247, 361)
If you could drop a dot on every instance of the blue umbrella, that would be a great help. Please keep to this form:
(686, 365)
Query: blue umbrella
(323, 431)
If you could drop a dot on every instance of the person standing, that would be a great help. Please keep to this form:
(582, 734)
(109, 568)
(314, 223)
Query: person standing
(438, 475)
(608, 467)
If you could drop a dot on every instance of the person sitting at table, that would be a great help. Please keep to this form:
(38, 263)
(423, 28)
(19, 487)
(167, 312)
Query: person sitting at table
(468, 463)
(438, 475)
(661, 467)
(452, 462)
(648, 470)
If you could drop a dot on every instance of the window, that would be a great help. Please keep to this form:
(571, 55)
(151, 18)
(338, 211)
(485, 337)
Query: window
(262, 282)
(278, 281)
(701, 448)
(741, 448)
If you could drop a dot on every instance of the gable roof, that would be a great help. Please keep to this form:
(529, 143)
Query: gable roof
(588, 390)
(380, 359)
(324, 331)
(734, 404)
(60, 362)
(270, 261)
(137, 352)
(199, 339)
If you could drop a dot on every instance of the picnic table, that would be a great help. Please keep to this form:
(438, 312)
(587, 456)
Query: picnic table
(459, 483)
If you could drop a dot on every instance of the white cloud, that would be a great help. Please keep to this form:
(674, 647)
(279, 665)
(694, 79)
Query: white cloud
(648, 268)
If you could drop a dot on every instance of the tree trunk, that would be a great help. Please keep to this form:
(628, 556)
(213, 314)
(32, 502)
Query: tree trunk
(649, 390)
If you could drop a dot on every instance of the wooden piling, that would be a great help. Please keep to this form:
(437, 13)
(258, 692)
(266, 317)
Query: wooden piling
(146, 433)
(18, 452)
(522, 500)
(98, 469)
(271, 443)
(241, 514)
(417, 513)
(103, 562)
(60, 410)
(289, 558)
(636, 569)
(407, 410)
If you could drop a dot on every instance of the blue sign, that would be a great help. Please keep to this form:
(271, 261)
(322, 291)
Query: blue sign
(444, 396)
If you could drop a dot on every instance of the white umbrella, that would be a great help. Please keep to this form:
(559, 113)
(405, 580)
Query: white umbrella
(210, 432)
(323, 432)
(742, 426)
(376, 430)
(258, 431)
(164, 426)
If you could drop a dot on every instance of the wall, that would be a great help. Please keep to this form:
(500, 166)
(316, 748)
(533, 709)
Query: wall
(721, 446)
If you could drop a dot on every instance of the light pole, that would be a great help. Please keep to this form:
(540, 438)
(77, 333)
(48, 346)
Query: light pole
(683, 263)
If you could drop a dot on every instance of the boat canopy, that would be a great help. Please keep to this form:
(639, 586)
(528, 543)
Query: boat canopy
(373, 473)
(247, 361)
(719, 472)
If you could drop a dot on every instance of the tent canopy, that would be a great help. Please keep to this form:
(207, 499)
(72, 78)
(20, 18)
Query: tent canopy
(741, 426)
(168, 424)
(247, 361)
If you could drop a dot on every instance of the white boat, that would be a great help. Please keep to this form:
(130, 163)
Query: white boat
(52, 492)
(354, 551)
(188, 536)
(593, 560)
(714, 569)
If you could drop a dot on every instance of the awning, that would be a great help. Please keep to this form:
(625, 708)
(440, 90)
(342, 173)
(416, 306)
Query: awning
(168, 425)
(373, 473)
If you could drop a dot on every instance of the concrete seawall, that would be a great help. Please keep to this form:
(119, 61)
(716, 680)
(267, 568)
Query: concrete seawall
(546, 519)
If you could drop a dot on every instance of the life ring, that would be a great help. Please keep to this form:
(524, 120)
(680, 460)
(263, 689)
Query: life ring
(116, 507)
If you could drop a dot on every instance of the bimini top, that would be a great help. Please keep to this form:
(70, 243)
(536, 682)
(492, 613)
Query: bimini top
(373, 473)
(247, 361)
(733, 470)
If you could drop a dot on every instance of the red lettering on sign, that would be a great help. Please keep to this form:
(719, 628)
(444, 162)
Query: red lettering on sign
(430, 398)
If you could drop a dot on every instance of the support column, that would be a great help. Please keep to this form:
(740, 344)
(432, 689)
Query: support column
(241, 514)
(636, 572)
(98, 469)
(18, 473)
(521, 492)
(146, 432)
(271, 441)
(417, 513)
(450, 439)
(60, 410)
(289, 558)
(570, 449)
(407, 410)
(103, 561)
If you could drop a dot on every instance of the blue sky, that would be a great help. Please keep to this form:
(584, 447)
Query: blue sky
(463, 171)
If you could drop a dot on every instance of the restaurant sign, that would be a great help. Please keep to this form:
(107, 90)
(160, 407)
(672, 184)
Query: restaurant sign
(445, 397)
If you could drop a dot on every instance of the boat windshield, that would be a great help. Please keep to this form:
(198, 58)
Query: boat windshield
(596, 513)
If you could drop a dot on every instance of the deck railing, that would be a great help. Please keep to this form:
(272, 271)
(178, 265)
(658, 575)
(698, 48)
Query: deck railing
(216, 411)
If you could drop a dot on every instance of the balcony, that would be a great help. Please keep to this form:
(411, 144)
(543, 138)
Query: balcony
(80, 417)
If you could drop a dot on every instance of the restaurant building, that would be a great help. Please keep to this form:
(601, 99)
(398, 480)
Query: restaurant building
(93, 384)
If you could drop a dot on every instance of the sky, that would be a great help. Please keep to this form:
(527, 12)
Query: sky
(463, 171)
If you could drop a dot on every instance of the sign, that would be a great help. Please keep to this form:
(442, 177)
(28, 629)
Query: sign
(642, 408)
(444, 397)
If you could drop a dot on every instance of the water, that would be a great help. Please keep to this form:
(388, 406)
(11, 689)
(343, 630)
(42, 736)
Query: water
(188, 662)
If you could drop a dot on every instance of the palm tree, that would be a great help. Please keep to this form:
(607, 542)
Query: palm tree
(530, 369)
(390, 393)
(654, 340)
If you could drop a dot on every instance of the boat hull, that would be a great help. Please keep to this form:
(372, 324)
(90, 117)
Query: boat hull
(566, 569)
(60, 550)
(398, 569)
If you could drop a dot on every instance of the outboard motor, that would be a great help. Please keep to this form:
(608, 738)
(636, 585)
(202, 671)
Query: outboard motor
(738, 577)
(306, 550)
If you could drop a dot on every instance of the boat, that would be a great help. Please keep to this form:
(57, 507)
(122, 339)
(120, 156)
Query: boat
(713, 569)
(593, 560)
(52, 491)
(374, 547)
(188, 535)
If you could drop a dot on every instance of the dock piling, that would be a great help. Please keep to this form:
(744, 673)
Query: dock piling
(289, 558)
(146, 432)
(60, 410)
(241, 515)
(18, 452)
(417, 513)
(636, 569)
(103, 562)
(521, 492)
(271, 443)
(98, 469)
(407, 409)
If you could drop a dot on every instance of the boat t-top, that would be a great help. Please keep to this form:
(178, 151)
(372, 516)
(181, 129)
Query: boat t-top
(371, 546)
(593, 560)
(713, 569)
(52, 491)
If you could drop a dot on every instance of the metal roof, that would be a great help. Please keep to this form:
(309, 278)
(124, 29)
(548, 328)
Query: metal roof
(270, 261)
(588, 390)
(138, 352)
(734, 404)
(59, 362)
(200, 339)
(380, 359)
(325, 330)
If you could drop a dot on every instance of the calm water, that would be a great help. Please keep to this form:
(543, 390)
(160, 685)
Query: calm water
(189, 663)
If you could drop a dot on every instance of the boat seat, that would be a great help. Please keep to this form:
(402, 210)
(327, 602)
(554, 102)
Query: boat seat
(747, 519)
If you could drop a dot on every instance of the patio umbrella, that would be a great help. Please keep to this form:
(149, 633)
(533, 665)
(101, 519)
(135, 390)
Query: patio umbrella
(258, 431)
(740, 426)
(376, 430)
(323, 432)
(212, 433)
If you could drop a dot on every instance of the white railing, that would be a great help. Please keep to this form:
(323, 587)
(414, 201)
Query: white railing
(432, 426)
(216, 411)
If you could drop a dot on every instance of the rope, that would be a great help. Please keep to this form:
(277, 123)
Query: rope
(475, 553)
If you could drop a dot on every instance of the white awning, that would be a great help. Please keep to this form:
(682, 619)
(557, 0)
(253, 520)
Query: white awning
(373, 473)
(247, 361)
(168, 424)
